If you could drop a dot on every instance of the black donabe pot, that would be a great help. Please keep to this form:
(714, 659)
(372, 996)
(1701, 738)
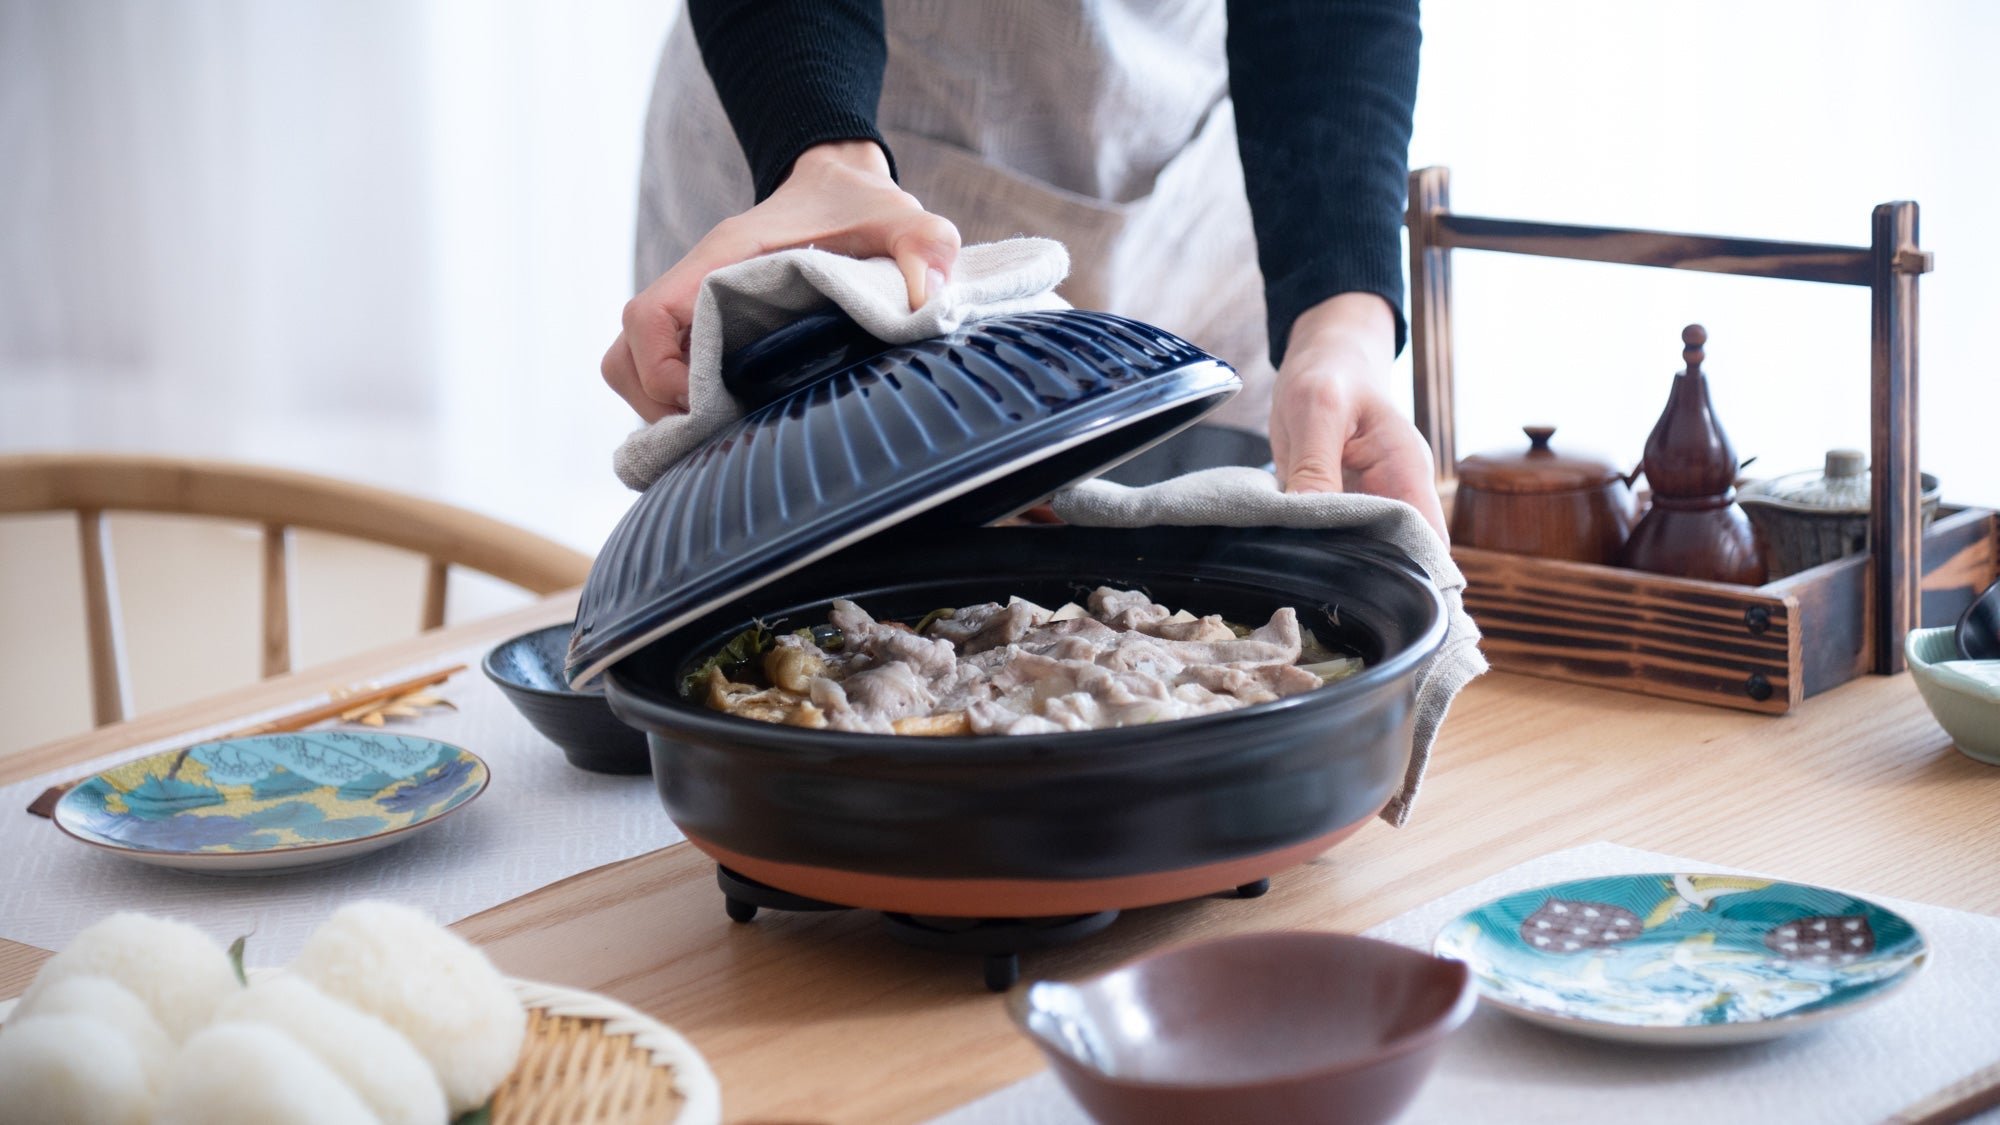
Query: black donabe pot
(1044, 825)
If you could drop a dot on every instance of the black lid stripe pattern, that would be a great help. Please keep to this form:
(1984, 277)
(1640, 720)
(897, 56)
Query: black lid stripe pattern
(999, 413)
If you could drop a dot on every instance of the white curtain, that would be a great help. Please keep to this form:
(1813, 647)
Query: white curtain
(1783, 119)
(385, 240)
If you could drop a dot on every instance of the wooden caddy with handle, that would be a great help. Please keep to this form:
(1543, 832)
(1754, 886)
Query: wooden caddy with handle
(1763, 648)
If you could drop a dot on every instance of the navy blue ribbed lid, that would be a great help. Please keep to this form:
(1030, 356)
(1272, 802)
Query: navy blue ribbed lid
(854, 436)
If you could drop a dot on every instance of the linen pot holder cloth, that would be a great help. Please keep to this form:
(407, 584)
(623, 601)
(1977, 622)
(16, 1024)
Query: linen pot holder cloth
(740, 304)
(1236, 496)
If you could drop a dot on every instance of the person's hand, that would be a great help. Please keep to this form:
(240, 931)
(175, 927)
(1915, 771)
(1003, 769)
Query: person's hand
(839, 197)
(1334, 427)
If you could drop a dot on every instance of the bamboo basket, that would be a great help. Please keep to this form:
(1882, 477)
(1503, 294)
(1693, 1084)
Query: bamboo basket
(589, 1060)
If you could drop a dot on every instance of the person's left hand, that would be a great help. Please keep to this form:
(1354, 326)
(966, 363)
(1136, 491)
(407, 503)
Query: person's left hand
(1334, 427)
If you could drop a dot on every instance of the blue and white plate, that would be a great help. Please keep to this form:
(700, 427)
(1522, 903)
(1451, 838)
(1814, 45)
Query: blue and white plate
(272, 801)
(1683, 958)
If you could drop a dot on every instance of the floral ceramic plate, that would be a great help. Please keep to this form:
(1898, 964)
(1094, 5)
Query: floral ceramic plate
(1683, 959)
(272, 801)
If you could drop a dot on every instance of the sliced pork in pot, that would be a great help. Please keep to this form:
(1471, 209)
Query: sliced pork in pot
(1022, 669)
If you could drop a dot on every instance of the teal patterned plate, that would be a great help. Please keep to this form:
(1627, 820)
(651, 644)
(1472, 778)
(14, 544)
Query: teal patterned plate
(272, 801)
(1683, 958)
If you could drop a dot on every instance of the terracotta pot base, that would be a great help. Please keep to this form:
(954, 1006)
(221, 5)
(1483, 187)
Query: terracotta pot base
(1018, 898)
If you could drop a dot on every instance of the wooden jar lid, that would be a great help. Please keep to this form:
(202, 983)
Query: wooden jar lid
(1537, 469)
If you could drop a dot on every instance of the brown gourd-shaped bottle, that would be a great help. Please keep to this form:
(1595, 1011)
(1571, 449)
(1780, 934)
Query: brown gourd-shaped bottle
(1694, 527)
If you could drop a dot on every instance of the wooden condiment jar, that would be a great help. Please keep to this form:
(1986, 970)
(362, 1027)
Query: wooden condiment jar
(1694, 527)
(1541, 502)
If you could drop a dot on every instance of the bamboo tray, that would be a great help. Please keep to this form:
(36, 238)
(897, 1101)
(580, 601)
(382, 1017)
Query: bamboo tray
(1765, 648)
(589, 1060)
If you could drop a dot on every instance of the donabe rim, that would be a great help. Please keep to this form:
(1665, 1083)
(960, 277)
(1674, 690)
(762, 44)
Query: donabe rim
(645, 702)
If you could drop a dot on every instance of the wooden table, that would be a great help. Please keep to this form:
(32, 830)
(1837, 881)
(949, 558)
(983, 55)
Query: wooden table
(823, 1017)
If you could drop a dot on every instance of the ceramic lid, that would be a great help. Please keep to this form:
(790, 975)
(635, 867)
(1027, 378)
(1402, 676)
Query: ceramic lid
(1535, 469)
(847, 436)
(1842, 487)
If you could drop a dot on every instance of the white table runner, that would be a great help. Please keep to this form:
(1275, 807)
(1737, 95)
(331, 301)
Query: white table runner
(540, 820)
(1942, 1026)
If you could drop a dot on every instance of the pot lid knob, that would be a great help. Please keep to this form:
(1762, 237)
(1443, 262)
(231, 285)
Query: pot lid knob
(1538, 439)
(1845, 463)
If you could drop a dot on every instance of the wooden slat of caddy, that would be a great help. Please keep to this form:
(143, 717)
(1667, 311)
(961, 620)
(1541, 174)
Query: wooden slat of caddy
(1894, 530)
(1635, 631)
(1430, 317)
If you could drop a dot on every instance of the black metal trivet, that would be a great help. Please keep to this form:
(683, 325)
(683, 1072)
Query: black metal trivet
(1000, 941)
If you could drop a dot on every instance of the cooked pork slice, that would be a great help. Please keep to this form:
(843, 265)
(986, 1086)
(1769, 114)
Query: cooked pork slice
(1033, 677)
(964, 623)
(1018, 669)
(888, 691)
(974, 685)
(1125, 609)
(931, 658)
(1275, 643)
(979, 628)
(831, 701)
(1290, 679)
(996, 717)
(1042, 638)
(1241, 684)
(1078, 710)
(1210, 628)
(848, 617)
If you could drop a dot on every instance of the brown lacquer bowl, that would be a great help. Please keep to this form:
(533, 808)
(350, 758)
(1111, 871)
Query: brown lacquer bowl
(1258, 1029)
(1032, 826)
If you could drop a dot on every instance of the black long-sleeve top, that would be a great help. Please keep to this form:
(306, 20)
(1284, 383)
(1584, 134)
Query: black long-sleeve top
(1324, 92)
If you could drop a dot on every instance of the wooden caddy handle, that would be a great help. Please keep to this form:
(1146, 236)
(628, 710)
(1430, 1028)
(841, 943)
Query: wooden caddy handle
(1889, 266)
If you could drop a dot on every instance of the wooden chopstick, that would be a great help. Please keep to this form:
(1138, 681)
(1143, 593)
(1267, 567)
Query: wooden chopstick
(45, 805)
(1973, 1094)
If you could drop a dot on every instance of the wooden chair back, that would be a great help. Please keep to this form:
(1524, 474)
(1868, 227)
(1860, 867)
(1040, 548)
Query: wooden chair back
(277, 500)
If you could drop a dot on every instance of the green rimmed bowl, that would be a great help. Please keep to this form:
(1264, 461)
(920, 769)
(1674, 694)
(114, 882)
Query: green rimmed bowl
(1684, 959)
(1963, 695)
(272, 802)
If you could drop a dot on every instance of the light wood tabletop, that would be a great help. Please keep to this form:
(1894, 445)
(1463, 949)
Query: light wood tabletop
(825, 1018)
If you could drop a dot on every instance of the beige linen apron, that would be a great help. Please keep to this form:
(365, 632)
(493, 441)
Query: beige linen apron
(1105, 124)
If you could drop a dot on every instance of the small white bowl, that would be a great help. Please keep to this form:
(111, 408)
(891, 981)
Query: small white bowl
(1963, 695)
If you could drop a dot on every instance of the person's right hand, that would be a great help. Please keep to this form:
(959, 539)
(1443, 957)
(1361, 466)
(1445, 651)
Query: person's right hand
(839, 197)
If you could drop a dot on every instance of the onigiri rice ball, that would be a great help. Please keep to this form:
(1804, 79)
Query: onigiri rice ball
(180, 974)
(428, 983)
(60, 1069)
(254, 1074)
(374, 1059)
(112, 1004)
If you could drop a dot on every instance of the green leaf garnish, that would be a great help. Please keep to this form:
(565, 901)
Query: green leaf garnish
(481, 1116)
(945, 614)
(236, 958)
(732, 658)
